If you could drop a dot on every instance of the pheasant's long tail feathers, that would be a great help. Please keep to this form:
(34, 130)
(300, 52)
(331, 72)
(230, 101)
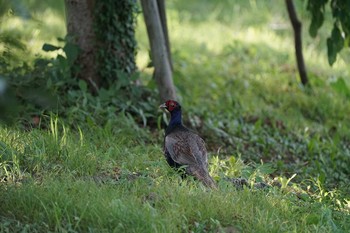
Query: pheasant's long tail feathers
(202, 175)
(210, 182)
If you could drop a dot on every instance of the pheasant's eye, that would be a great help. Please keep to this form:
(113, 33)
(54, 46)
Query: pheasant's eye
(171, 104)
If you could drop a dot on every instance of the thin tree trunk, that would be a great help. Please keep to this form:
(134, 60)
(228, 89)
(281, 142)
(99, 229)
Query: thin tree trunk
(298, 42)
(163, 20)
(160, 58)
(79, 15)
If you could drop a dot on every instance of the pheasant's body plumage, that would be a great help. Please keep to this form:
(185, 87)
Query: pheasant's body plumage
(182, 147)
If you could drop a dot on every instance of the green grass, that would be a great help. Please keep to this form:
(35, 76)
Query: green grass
(234, 69)
(102, 180)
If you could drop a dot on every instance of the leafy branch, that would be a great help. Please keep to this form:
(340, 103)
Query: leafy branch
(340, 35)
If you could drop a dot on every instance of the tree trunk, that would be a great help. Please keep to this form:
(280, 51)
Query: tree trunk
(114, 24)
(79, 15)
(163, 20)
(160, 57)
(298, 42)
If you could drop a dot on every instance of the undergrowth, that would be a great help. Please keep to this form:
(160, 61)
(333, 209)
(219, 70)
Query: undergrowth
(105, 178)
(73, 161)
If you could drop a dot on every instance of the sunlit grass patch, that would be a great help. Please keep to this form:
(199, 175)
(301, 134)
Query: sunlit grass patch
(205, 39)
(33, 28)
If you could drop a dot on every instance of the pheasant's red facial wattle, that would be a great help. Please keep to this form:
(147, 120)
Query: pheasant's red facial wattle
(171, 105)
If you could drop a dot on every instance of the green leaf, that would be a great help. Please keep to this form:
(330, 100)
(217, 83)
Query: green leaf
(60, 39)
(71, 51)
(50, 47)
(62, 62)
(316, 8)
(266, 169)
(335, 43)
(316, 23)
(83, 85)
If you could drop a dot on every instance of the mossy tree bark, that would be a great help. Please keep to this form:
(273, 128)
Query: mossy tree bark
(104, 31)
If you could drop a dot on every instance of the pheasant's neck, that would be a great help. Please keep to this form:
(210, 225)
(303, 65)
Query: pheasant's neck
(176, 118)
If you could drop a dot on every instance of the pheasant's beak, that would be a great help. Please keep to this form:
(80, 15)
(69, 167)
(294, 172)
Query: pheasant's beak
(162, 106)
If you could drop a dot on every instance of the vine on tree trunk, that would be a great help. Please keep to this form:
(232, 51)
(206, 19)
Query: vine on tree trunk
(115, 23)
